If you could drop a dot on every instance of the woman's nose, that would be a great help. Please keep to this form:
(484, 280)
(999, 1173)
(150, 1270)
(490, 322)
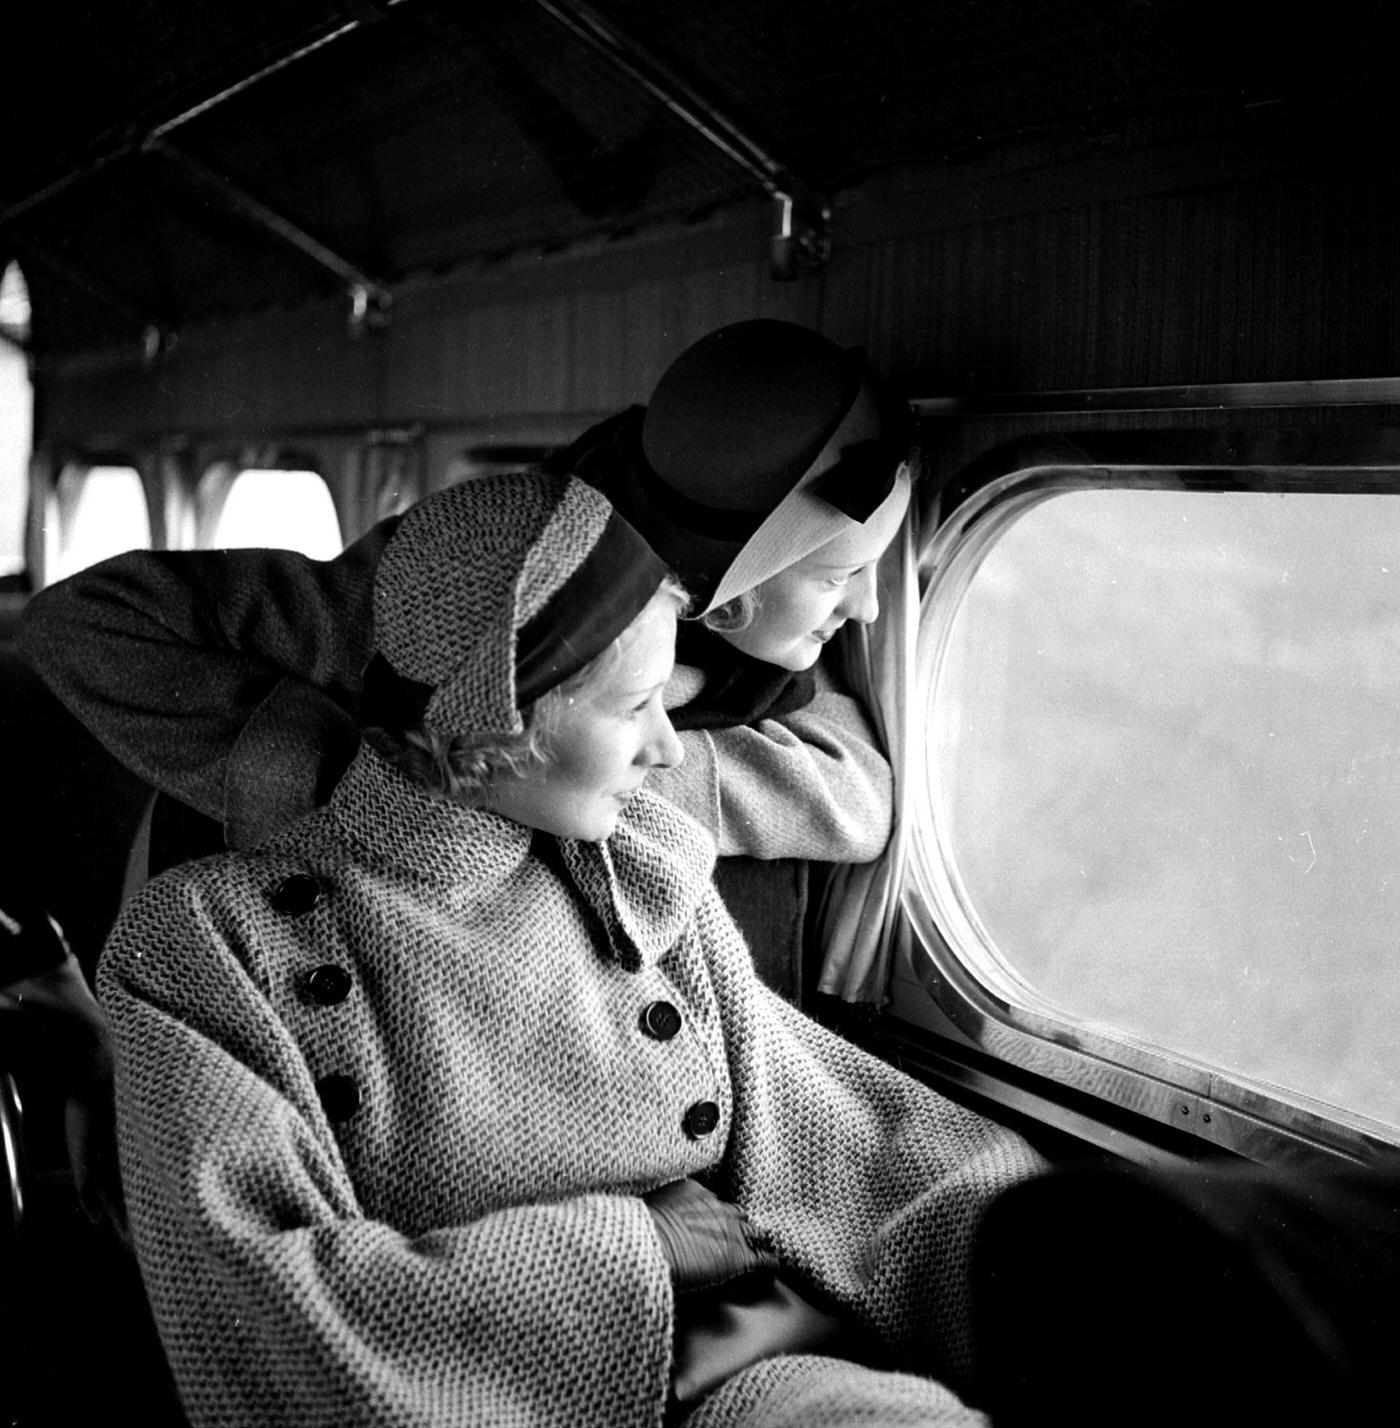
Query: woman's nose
(664, 749)
(861, 601)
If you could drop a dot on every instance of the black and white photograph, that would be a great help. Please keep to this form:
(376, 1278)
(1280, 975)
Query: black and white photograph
(699, 714)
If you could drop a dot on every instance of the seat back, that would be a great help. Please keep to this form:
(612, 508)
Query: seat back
(69, 813)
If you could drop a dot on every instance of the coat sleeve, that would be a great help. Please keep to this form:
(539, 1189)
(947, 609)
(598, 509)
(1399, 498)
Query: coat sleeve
(279, 1302)
(199, 670)
(870, 1184)
(811, 784)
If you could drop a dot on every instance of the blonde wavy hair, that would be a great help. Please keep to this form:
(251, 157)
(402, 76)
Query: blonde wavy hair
(736, 614)
(464, 767)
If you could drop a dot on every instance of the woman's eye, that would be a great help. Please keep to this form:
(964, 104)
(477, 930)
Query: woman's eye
(836, 581)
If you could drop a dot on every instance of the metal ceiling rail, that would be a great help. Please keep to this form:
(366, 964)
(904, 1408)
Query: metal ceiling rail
(366, 292)
(802, 211)
(129, 144)
(80, 276)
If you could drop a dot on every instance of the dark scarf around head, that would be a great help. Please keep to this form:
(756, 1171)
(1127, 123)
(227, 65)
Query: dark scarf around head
(738, 689)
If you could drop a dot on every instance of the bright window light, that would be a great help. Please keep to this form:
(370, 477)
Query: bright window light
(16, 440)
(16, 418)
(288, 510)
(14, 304)
(103, 513)
(1163, 774)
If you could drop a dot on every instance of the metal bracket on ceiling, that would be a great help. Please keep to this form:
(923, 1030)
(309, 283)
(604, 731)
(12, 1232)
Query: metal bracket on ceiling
(802, 217)
(369, 308)
(370, 300)
(158, 335)
(132, 139)
(157, 343)
(801, 234)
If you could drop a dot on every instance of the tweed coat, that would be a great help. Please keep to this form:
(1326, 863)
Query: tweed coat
(228, 679)
(387, 1101)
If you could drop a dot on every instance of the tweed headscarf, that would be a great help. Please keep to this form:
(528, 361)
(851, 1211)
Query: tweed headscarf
(493, 591)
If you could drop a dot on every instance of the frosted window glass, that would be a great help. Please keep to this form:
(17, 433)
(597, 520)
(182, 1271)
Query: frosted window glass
(103, 513)
(287, 510)
(1166, 770)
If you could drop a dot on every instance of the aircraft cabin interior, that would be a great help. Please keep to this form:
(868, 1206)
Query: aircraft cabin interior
(271, 273)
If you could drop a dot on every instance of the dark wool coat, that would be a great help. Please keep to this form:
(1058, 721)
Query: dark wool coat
(388, 1096)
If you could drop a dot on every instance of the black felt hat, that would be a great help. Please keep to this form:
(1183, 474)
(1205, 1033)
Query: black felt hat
(733, 429)
(740, 415)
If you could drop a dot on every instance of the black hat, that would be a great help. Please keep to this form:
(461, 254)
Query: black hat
(733, 427)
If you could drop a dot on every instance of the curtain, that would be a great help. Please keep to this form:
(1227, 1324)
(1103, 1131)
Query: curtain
(858, 921)
(391, 476)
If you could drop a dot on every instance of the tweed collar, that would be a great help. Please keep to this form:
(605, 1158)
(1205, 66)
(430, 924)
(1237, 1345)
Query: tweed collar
(643, 884)
(398, 825)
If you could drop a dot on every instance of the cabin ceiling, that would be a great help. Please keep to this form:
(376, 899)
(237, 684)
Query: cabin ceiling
(171, 162)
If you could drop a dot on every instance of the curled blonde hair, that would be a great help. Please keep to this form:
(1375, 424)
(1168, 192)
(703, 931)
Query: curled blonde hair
(464, 767)
(735, 614)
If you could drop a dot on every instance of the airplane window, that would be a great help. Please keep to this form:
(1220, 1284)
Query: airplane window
(1162, 772)
(291, 510)
(16, 418)
(97, 511)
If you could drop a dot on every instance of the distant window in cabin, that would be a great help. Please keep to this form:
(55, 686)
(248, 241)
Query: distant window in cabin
(289, 510)
(1163, 776)
(95, 512)
(16, 418)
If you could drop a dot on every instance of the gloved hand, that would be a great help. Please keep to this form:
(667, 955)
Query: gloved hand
(716, 1335)
(706, 1240)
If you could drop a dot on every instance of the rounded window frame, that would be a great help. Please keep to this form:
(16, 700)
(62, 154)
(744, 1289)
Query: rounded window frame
(951, 956)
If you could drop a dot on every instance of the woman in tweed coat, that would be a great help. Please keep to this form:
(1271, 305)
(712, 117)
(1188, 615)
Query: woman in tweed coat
(231, 679)
(406, 1093)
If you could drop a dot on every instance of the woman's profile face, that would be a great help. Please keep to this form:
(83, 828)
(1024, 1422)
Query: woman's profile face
(608, 737)
(800, 608)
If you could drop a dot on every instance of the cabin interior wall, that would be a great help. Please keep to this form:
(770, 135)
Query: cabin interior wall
(1277, 276)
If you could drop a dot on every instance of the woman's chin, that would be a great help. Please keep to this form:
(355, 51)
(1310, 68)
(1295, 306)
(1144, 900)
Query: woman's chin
(800, 656)
(794, 655)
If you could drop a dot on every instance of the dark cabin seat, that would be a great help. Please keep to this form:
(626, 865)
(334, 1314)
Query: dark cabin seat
(72, 1311)
(80, 832)
(69, 811)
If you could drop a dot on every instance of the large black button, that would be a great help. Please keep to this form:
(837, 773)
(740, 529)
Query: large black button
(295, 895)
(700, 1119)
(660, 1020)
(329, 985)
(340, 1096)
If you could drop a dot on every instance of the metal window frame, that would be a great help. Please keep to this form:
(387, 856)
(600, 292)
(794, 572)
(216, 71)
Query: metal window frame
(1053, 1062)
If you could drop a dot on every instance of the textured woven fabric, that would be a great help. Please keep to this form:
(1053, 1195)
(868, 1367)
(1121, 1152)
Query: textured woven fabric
(806, 1391)
(466, 569)
(459, 634)
(467, 1245)
(226, 678)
